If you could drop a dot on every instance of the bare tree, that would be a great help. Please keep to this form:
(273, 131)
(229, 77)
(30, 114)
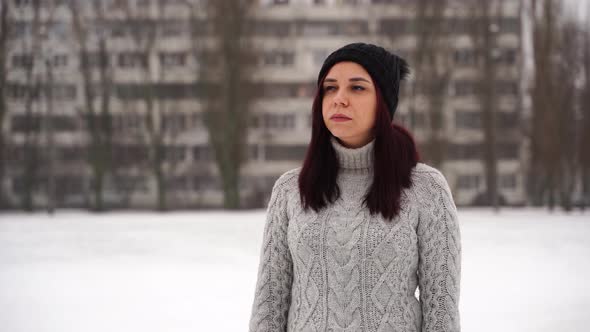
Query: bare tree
(6, 26)
(141, 24)
(584, 123)
(98, 122)
(199, 31)
(225, 69)
(31, 46)
(484, 26)
(558, 131)
(144, 25)
(568, 69)
(432, 72)
(546, 111)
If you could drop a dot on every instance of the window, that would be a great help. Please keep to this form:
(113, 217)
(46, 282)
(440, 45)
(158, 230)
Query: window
(350, 2)
(391, 1)
(127, 122)
(129, 183)
(174, 123)
(254, 152)
(202, 153)
(22, 60)
(508, 181)
(284, 90)
(507, 88)
(174, 154)
(194, 120)
(406, 118)
(463, 151)
(462, 25)
(178, 183)
(465, 88)
(507, 56)
(69, 185)
(133, 59)
(118, 30)
(273, 121)
(468, 181)
(278, 58)
(395, 26)
(64, 123)
(330, 28)
(204, 182)
(507, 120)
(277, 90)
(22, 3)
(96, 59)
(143, 3)
(17, 91)
(507, 150)
(19, 29)
(468, 119)
(61, 91)
(273, 28)
(174, 59)
(510, 25)
(285, 152)
(130, 154)
(71, 154)
(465, 57)
(199, 27)
(60, 60)
(159, 90)
(22, 123)
(172, 29)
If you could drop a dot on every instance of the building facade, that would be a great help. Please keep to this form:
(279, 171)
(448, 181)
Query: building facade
(293, 39)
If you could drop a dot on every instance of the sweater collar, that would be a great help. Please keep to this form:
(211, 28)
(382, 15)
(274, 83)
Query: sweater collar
(359, 158)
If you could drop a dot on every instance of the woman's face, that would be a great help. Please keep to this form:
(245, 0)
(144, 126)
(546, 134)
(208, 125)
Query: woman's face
(349, 104)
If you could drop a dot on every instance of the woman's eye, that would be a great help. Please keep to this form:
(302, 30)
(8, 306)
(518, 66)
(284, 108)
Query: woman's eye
(358, 88)
(329, 88)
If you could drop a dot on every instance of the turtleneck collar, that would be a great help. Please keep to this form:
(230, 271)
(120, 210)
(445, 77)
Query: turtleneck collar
(360, 158)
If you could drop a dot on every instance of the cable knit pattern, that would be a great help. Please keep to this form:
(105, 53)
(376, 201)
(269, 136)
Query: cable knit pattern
(345, 270)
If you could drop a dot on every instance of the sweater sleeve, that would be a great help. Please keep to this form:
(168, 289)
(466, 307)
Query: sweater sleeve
(439, 267)
(275, 270)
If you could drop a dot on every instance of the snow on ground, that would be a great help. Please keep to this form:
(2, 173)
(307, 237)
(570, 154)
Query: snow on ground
(522, 270)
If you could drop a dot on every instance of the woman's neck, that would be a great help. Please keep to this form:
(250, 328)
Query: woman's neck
(354, 159)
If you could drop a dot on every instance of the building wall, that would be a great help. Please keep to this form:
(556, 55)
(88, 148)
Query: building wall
(294, 37)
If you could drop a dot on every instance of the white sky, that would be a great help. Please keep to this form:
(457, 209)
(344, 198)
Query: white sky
(580, 8)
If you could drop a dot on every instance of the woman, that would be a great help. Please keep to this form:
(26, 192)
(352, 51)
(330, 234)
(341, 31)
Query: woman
(352, 234)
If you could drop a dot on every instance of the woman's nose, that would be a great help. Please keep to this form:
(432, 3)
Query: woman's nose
(340, 99)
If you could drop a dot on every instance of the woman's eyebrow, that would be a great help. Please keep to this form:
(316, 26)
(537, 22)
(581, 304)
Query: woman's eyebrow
(353, 79)
(356, 79)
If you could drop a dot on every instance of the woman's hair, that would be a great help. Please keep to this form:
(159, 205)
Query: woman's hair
(395, 155)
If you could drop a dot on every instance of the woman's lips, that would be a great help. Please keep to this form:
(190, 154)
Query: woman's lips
(340, 118)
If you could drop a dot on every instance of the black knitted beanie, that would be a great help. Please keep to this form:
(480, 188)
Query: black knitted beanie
(386, 69)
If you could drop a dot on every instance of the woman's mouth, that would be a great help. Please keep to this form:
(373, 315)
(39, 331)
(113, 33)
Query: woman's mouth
(339, 118)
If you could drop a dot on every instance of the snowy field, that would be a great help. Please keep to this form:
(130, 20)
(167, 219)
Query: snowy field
(523, 270)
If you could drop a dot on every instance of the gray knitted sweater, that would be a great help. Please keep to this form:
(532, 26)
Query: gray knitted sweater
(343, 269)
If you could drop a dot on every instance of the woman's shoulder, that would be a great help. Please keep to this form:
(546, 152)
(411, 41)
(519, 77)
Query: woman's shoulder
(427, 177)
(287, 180)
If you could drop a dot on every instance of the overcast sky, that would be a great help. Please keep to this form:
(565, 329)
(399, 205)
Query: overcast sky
(579, 8)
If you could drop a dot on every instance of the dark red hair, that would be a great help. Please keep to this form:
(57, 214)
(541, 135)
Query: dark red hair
(395, 156)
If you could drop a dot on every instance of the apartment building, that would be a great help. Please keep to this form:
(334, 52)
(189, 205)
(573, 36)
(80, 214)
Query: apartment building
(294, 37)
